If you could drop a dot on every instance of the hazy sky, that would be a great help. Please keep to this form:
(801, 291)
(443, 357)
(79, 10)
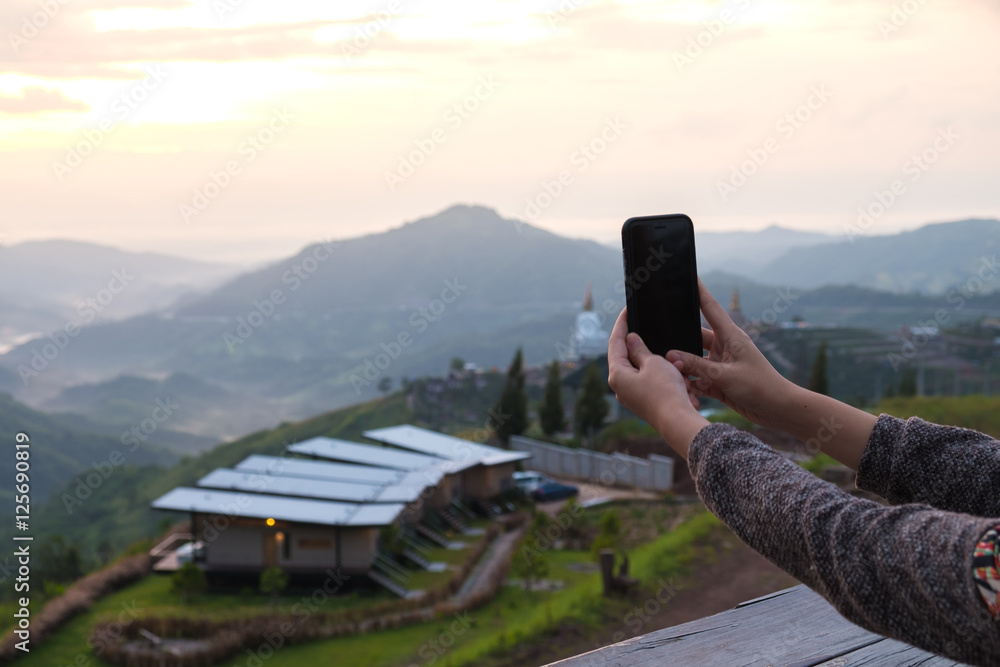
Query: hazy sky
(244, 129)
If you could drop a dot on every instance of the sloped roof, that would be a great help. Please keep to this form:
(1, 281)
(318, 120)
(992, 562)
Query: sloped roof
(320, 489)
(260, 506)
(344, 472)
(371, 455)
(444, 446)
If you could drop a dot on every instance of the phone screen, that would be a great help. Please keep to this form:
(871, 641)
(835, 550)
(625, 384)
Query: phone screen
(661, 283)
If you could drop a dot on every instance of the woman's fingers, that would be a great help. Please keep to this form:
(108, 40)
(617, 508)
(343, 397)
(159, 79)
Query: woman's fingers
(617, 349)
(638, 353)
(707, 338)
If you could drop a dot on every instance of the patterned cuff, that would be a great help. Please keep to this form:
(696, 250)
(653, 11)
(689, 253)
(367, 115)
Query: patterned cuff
(986, 572)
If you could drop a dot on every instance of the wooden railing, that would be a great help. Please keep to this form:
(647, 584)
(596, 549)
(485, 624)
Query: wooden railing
(791, 628)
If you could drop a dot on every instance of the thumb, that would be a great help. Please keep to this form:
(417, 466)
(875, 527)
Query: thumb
(638, 353)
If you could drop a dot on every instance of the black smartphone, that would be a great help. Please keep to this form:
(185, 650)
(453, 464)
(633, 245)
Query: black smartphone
(661, 282)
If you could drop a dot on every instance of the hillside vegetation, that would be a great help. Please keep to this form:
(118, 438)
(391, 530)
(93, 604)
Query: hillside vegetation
(62, 449)
(978, 412)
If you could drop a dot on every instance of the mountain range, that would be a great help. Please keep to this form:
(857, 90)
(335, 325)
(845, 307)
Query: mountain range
(45, 285)
(319, 329)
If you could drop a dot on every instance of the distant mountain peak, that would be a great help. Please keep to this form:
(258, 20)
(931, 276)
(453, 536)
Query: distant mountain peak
(462, 214)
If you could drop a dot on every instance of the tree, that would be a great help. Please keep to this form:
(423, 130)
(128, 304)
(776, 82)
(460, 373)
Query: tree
(457, 365)
(188, 581)
(908, 383)
(58, 561)
(818, 381)
(531, 563)
(591, 408)
(105, 552)
(384, 385)
(510, 415)
(550, 411)
(610, 534)
(273, 580)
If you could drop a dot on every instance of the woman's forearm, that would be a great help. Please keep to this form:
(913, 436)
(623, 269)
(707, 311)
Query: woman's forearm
(823, 423)
(904, 572)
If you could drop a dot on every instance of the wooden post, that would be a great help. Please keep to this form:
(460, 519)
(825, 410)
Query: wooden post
(608, 571)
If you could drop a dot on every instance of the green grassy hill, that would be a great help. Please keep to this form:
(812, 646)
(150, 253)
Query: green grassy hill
(981, 413)
(61, 449)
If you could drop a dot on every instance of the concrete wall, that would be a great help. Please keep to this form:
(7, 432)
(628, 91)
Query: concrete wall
(653, 474)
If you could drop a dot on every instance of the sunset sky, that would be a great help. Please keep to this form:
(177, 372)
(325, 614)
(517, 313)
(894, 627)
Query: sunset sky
(241, 130)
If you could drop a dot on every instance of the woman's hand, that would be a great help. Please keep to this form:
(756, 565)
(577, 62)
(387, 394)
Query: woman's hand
(653, 388)
(735, 372)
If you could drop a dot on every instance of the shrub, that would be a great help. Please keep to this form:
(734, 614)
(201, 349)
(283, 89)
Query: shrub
(188, 581)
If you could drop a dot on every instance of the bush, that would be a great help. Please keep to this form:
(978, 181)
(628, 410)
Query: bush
(273, 581)
(732, 417)
(626, 428)
(188, 581)
(816, 464)
(78, 598)
(609, 536)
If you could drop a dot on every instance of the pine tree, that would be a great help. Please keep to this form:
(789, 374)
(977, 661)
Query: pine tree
(510, 415)
(550, 411)
(591, 408)
(818, 381)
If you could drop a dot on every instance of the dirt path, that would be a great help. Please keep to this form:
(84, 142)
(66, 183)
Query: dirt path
(500, 552)
(727, 572)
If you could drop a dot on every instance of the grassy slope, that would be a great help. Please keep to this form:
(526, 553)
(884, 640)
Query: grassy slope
(512, 617)
(118, 510)
(60, 449)
(981, 413)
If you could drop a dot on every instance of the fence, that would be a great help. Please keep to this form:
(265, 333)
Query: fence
(653, 474)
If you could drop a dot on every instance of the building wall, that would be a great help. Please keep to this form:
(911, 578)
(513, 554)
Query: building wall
(456, 486)
(313, 546)
(240, 546)
(358, 547)
(484, 482)
(442, 495)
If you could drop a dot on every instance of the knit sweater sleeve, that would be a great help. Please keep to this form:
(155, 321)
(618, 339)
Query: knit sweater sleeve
(904, 572)
(949, 468)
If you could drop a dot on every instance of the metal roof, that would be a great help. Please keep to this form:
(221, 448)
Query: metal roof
(444, 446)
(341, 472)
(281, 485)
(288, 467)
(298, 510)
(372, 455)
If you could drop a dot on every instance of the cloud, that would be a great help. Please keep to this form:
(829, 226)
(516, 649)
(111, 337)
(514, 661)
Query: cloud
(72, 51)
(35, 100)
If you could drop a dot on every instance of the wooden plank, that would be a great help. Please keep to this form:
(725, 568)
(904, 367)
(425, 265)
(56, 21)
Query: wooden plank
(790, 628)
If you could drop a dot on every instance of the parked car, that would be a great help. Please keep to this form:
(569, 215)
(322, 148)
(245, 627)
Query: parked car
(529, 479)
(552, 490)
(192, 552)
